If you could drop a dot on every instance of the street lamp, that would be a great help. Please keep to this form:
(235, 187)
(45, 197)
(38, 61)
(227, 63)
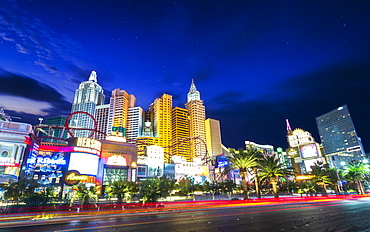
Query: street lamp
(41, 119)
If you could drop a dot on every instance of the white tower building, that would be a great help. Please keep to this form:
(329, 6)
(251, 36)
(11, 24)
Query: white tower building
(89, 95)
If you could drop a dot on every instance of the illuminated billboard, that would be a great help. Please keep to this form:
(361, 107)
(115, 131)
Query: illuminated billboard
(49, 166)
(309, 150)
(221, 162)
(84, 163)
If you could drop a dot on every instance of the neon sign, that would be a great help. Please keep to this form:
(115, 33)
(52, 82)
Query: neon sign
(74, 177)
(49, 161)
(87, 142)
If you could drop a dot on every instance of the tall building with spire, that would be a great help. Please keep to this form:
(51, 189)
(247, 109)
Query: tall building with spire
(161, 109)
(197, 116)
(89, 95)
(120, 102)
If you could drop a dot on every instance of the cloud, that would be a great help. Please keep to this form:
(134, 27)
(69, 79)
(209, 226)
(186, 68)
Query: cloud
(29, 92)
(32, 37)
(24, 105)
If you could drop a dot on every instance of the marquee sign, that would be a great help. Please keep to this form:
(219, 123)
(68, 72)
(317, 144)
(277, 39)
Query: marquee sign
(74, 177)
(85, 142)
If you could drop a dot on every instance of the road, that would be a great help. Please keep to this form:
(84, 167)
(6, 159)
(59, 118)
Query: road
(340, 215)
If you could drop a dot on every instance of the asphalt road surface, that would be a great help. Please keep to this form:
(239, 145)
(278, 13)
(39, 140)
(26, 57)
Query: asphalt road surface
(345, 215)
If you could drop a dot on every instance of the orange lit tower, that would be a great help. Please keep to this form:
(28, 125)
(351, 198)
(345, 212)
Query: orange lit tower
(120, 101)
(180, 133)
(197, 116)
(162, 111)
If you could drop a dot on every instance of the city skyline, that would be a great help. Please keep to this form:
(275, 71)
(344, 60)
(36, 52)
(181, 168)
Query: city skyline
(254, 63)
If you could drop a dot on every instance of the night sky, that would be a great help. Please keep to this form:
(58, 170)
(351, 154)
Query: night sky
(255, 63)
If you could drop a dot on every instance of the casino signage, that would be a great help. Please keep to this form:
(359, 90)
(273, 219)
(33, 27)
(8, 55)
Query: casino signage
(300, 137)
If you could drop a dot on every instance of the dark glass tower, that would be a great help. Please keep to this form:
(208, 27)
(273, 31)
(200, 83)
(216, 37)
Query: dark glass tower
(339, 137)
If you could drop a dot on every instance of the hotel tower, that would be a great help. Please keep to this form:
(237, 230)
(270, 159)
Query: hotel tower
(88, 96)
(197, 116)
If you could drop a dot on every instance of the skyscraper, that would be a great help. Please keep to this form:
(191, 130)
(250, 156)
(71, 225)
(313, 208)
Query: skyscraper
(134, 123)
(213, 133)
(101, 116)
(197, 116)
(162, 111)
(180, 133)
(120, 102)
(339, 137)
(89, 95)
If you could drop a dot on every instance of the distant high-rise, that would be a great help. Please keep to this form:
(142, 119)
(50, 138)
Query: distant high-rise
(339, 137)
(89, 95)
(101, 116)
(56, 121)
(162, 111)
(134, 123)
(213, 133)
(120, 102)
(180, 133)
(197, 116)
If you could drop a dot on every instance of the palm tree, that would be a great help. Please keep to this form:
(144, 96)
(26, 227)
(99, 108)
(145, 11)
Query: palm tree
(150, 190)
(356, 171)
(242, 161)
(84, 193)
(321, 177)
(272, 169)
(258, 154)
(122, 189)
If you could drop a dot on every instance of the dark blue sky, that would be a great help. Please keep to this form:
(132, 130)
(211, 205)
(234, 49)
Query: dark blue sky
(255, 63)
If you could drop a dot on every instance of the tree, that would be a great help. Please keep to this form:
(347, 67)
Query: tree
(320, 175)
(23, 188)
(227, 187)
(258, 154)
(185, 185)
(150, 190)
(241, 161)
(356, 172)
(271, 169)
(211, 187)
(167, 185)
(122, 189)
(84, 194)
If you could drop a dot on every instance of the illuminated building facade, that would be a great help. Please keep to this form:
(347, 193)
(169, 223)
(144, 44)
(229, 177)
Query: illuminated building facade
(197, 116)
(87, 97)
(213, 137)
(180, 133)
(120, 102)
(118, 162)
(14, 138)
(339, 137)
(101, 116)
(193, 168)
(142, 142)
(162, 112)
(265, 149)
(303, 151)
(64, 166)
(134, 123)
